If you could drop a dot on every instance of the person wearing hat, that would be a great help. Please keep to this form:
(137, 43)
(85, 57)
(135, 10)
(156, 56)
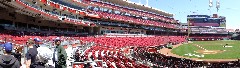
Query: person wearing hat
(31, 55)
(59, 55)
(36, 42)
(7, 60)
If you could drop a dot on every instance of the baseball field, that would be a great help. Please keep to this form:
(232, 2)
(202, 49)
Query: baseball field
(209, 50)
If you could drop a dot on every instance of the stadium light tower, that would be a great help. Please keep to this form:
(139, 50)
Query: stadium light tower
(210, 5)
(218, 5)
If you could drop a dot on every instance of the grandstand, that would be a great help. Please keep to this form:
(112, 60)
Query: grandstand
(110, 26)
(60, 18)
(106, 33)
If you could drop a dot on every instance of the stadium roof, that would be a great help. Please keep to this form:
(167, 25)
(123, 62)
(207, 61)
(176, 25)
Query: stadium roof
(139, 6)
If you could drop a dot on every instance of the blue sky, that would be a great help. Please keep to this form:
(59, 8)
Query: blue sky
(181, 8)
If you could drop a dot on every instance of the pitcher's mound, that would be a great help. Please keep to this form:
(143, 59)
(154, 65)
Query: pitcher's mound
(209, 51)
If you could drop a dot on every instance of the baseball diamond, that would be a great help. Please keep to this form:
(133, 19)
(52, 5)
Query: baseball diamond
(214, 50)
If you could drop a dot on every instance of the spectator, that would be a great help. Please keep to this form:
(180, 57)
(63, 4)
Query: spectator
(59, 55)
(31, 55)
(37, 42)
(7, 60)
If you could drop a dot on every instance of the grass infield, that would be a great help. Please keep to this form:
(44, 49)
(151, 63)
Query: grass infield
(231, 51)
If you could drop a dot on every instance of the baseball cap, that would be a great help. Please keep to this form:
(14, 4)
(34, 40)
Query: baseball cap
(37, 40)
(57, 39)
(8, 47)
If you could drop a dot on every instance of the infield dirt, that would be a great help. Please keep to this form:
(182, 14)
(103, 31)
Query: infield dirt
(209, 51)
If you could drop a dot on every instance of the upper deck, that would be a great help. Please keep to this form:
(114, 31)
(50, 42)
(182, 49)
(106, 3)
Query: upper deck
(139, 6)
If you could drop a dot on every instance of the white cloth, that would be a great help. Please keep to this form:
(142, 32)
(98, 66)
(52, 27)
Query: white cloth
(96, 53)
(70, 52)
(55, 53)
(45, 55)
(45, 52)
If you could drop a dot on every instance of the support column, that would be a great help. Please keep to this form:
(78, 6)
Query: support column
(49, 29)
(96, 30)
(91, 30)
(27, 25)
(14, 24)
(75, 29)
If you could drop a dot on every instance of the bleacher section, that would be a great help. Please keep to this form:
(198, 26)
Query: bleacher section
(134, 41)
(112, 56)
(125, 35)
(106, 41)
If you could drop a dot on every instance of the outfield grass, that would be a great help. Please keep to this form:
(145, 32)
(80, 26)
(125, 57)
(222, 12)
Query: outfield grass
(230, 53)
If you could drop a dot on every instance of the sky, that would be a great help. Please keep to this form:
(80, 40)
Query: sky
(181, 8)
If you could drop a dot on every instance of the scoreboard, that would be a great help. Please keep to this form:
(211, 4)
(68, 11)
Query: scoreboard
(205, 20)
